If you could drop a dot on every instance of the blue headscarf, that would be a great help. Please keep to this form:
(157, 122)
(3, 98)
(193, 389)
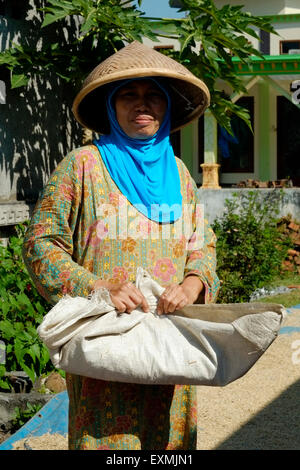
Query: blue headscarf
(144, 170)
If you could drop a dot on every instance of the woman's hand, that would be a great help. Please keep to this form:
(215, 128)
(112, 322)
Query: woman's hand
(177, 296)
(124, 295)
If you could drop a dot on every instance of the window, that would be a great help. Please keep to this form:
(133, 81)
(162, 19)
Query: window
(288, 47)
(264, 44)
(288, 140)
(236, 153)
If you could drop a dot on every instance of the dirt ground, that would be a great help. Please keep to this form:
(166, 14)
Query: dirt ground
(262, 409)
(45, 442)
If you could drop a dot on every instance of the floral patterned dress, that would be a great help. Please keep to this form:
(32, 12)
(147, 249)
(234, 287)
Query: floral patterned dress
(82, 229)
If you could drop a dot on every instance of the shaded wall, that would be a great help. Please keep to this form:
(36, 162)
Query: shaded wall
(37, 128)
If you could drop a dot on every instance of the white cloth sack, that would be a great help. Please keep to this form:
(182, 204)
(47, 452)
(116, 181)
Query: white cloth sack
(200, 344)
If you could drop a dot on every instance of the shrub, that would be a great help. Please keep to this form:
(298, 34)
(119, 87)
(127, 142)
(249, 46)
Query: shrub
(22, 416)
(249, 250)
(21, 311)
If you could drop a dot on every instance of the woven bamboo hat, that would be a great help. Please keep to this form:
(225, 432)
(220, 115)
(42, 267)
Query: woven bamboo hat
(189, 95)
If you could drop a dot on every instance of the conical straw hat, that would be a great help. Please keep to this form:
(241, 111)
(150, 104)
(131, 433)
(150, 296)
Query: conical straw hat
(189, 95)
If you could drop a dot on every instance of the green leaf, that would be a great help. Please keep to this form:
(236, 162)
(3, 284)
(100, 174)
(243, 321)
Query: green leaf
(25, 336)
(29, 371)
(18, 328)
(19, 350)
(2, 370)
(4, 385)
(40, 309)
(6, 327)
(8, 57)
(60, 4)
(45, 356)
(165, 27)
(89, 22)
(18, 80)
(56, 15)
(185, 41)
(35, 351)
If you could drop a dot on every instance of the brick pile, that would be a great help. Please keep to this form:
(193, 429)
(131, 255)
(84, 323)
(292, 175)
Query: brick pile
(249, 183)
(290, 228)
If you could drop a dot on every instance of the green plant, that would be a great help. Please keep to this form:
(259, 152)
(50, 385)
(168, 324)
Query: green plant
(21, 311)
(22, 416)
(249, 249)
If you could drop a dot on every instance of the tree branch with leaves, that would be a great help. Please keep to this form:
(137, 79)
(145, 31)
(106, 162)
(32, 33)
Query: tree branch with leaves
(107, 25)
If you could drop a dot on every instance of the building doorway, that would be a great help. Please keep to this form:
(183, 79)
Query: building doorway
(288, 140)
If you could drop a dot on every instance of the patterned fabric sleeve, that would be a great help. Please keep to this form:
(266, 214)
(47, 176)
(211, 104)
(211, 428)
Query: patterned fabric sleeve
(48, 246)
(201, 254)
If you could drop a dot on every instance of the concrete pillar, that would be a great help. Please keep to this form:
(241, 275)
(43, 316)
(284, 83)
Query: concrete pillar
(187, 147)
(263, 112)
(210, 167)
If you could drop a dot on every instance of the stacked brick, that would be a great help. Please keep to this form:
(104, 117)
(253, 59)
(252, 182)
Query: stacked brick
(289, 228)
(284, 183)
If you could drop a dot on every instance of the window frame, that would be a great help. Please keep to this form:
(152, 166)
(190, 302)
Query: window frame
(286, 41)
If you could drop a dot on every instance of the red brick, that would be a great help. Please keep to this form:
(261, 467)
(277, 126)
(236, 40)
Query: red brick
(294, 227)
(288, 266)
(293, 252)
(295, 237)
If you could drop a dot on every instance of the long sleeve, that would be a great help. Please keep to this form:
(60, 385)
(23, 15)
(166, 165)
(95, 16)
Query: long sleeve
(48, 250)
(201, 255)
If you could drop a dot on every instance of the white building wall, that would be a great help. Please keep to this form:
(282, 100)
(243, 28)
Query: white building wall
(266, 7)
(286, 31)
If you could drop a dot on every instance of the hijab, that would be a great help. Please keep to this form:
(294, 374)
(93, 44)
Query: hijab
(144, 170)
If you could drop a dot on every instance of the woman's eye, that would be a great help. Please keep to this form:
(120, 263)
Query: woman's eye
(157, 96)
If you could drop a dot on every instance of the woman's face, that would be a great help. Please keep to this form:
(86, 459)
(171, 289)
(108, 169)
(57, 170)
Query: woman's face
(140, 108)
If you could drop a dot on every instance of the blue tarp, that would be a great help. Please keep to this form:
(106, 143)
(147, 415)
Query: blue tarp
(288, 330)
(52, 419)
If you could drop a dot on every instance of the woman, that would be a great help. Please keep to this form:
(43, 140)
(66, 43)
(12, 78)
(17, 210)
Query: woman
(105, 211)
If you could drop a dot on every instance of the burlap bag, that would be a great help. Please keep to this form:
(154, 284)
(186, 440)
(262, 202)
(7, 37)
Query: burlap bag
(211, 344)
